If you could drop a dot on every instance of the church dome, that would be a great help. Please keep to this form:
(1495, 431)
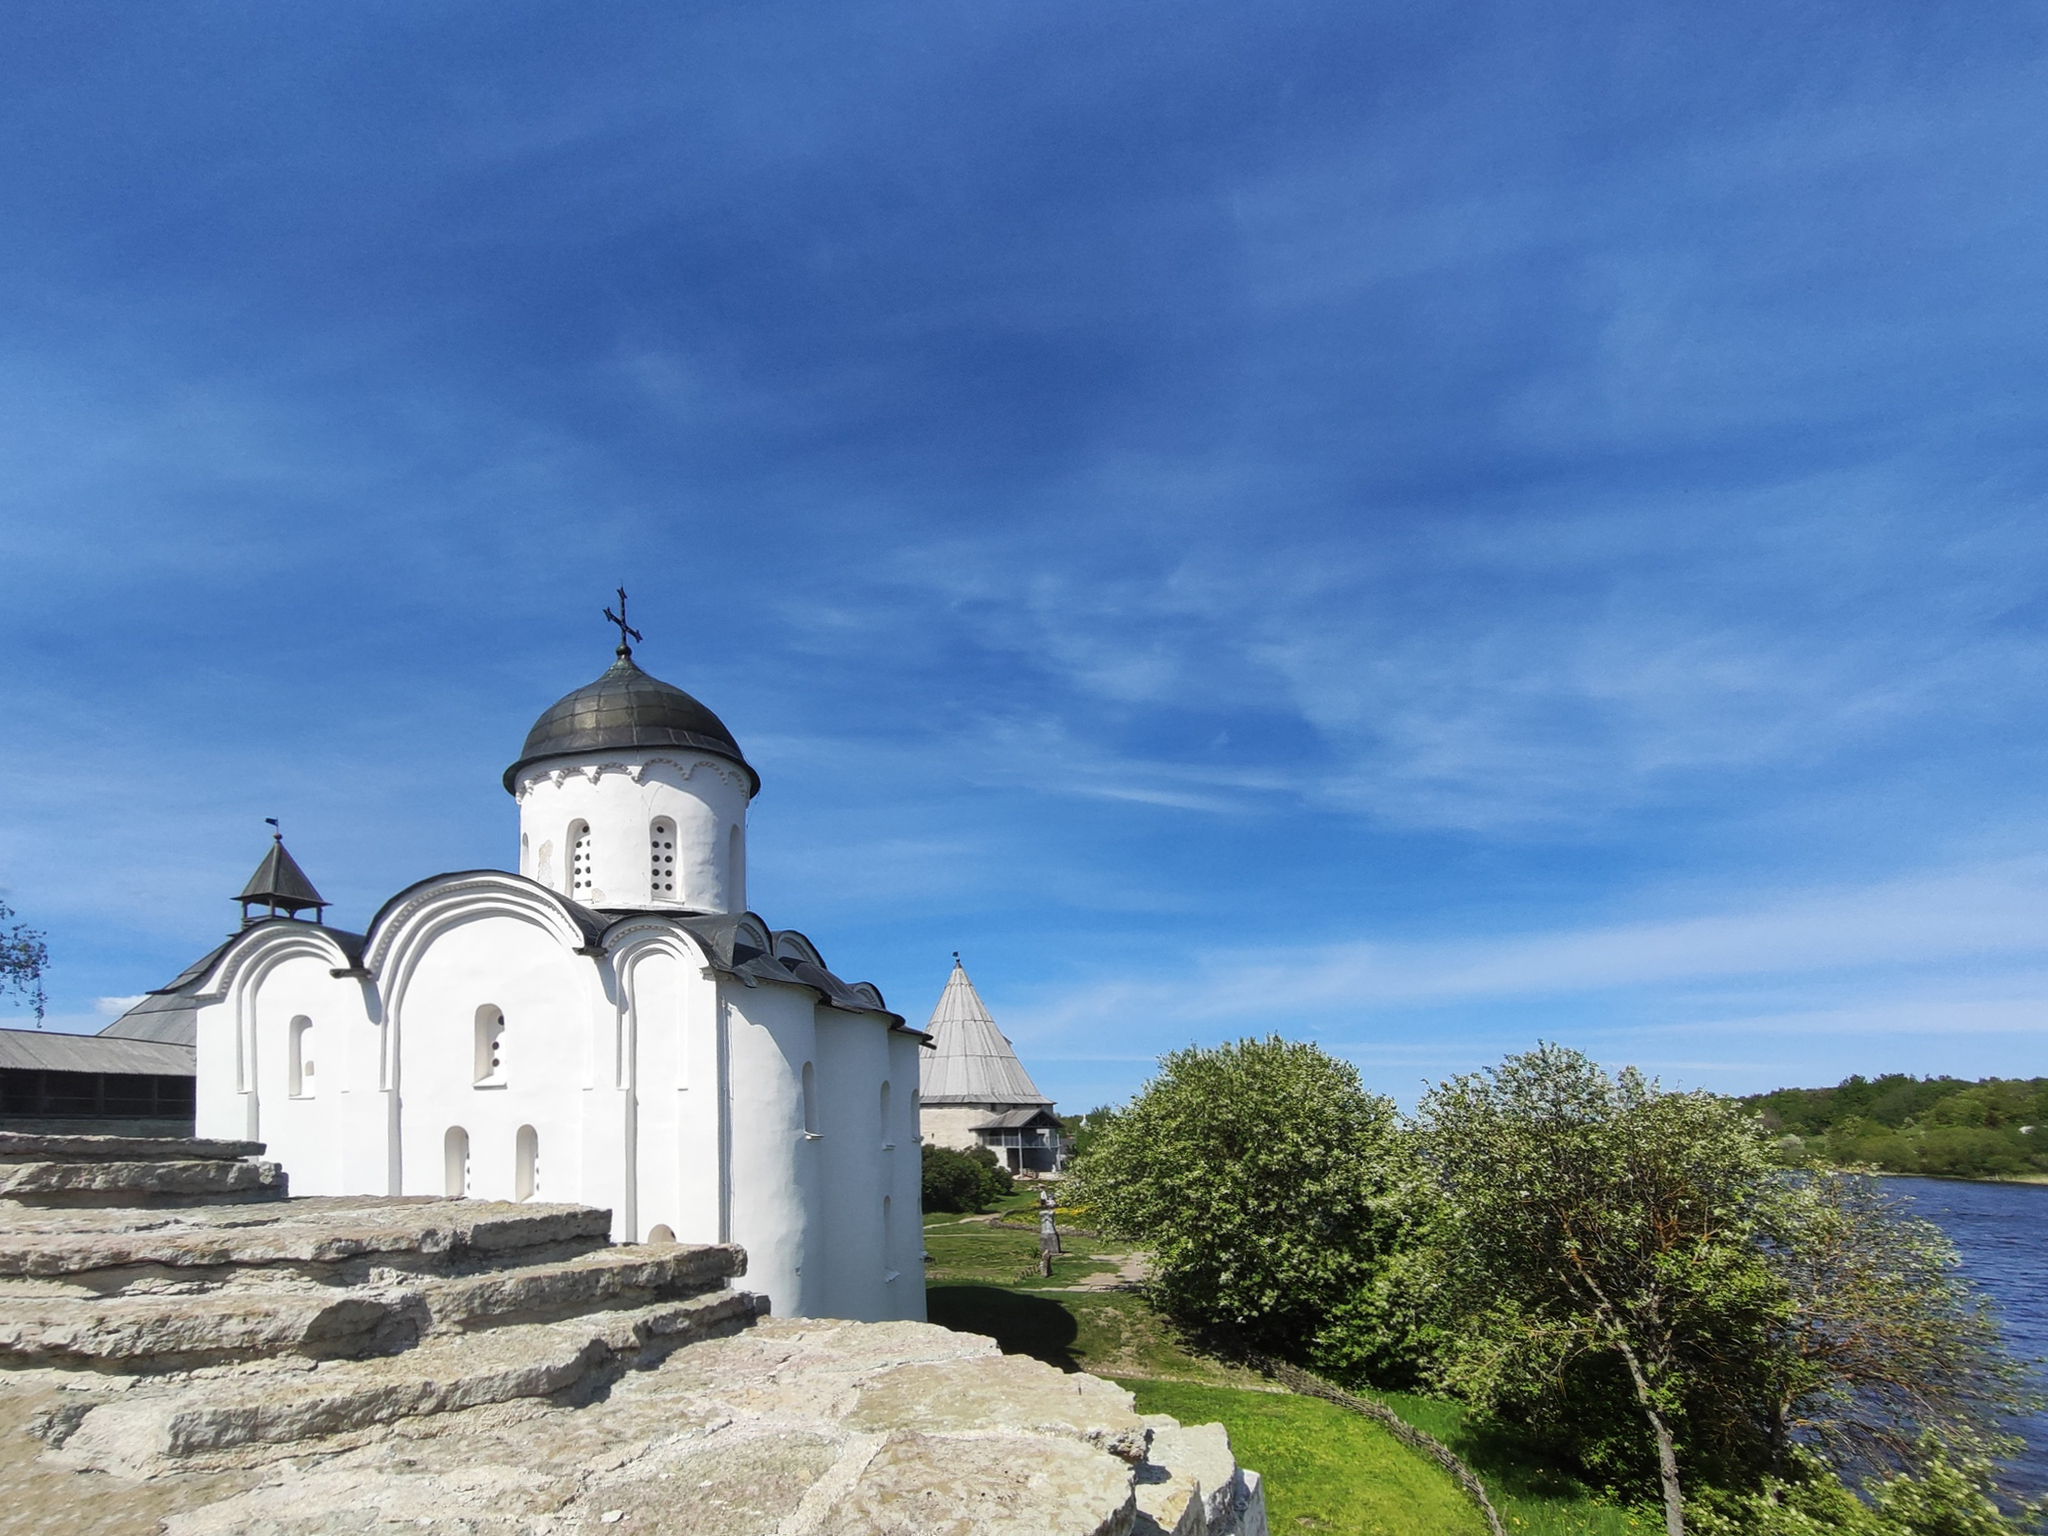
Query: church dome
(627, 708)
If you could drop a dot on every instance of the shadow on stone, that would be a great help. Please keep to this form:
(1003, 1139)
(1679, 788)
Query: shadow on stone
(1020, 1323)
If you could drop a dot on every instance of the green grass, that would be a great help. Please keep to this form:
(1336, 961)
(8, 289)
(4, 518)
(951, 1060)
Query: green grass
(1531, 1495)
(1322, 1463)
(1325, 1468)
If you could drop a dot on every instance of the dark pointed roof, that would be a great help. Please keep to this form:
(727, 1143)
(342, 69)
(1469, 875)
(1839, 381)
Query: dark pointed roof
(279, 882)
(627, 708)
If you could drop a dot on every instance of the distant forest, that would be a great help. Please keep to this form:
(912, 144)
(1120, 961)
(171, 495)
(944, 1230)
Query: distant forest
(1994, 1128)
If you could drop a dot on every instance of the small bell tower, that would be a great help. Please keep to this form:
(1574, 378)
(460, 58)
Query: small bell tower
(279, 885)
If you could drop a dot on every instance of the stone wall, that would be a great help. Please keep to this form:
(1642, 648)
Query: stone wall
(189, 1350)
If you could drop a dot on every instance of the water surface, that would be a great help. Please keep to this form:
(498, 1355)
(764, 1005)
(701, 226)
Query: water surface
(2001, 1231)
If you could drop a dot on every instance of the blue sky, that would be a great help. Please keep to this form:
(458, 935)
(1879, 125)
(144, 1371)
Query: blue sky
(1416, 529)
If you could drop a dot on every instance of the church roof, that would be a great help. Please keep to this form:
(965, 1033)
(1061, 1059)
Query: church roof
(280, 882)
(169, 1015)
(971, 1062)
(627, 708)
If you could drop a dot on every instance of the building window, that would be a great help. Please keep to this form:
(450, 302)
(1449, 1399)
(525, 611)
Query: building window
(301, 1058)
(888, 1131)
(888, 1239)
(580, 885)
(736, 870)
(489, 1067)
(810, 1100)
(661, 854)
(526, 1156)
(455, 1162)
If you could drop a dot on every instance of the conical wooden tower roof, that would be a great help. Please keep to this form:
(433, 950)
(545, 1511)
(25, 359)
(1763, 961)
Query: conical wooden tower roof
(971, 1063)
(279, 883)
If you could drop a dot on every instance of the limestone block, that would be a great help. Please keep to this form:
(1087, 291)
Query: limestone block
(1010, 1391)
(163, 1180)
(1198, 1455)
(594, 1279)
(321, 1230)
(164, 1332)
(988, 1485)
(24, 1146)
(143, 1432)
(146, 1431)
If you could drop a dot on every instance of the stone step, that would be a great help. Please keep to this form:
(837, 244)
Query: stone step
(18, 1146)
(106, 1181)
(167, 1333)
(428, 1233)
(144, 1432)
(142, 1333)
(661, 1271)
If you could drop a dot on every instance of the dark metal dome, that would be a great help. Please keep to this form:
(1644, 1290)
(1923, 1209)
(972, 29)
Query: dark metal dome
(627, 708)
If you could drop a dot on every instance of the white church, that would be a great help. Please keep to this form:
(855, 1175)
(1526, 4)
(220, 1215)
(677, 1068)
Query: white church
(610, 1025)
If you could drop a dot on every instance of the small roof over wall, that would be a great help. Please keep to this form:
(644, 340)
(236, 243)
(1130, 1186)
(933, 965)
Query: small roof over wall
(971, 1062)
(1018, 1120)
(51, 1051)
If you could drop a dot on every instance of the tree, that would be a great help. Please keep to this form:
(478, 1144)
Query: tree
(1880, 1355)
(1772, 1330)
(962, 1181)
(24, 955)
(1268, 1185)
(1598, 1216)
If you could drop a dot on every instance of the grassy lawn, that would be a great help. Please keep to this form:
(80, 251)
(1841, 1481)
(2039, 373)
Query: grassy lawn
(1326, 1469)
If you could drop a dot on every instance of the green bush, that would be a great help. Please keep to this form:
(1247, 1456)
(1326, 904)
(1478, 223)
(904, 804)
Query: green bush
(1271, 1189)
(963, 1181)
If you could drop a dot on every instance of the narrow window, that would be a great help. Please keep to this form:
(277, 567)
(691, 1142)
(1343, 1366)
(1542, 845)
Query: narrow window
(810, 1100)
(888, 1239)
(301, 1058)
(888, 1135)
(736, 870)
(489, 1065)
(661, 855)
(526, 1154)
(525, 857)
(579, 859)
(455, 1162)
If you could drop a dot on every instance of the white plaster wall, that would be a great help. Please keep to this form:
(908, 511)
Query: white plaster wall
(853, 1062)
(549, 995)
(671, 1001)
(620, 795)
(335, 1138)
(776, 1184)
(905, 1171)
(219, 1109)
(949, 1125)
(301, 1132)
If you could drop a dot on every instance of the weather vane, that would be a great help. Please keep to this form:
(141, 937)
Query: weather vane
(276, 831)
(625, 629)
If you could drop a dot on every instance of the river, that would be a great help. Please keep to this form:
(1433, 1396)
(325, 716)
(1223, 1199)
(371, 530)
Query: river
(2001, 1231)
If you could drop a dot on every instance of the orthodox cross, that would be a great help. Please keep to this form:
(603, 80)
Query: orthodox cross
(625, 629)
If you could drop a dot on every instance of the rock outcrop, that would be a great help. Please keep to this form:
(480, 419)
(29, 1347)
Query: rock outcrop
(211, 1357)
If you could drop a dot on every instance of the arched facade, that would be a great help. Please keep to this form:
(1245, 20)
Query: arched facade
(608, 1026)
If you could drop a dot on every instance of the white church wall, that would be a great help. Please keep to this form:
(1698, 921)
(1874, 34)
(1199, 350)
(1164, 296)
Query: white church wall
(853, 1063)
(620, 798)
(771, 1035)
(279, 1054)
(302, 1011)
(484, 965)
(905, 1244)
(671, 1001)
